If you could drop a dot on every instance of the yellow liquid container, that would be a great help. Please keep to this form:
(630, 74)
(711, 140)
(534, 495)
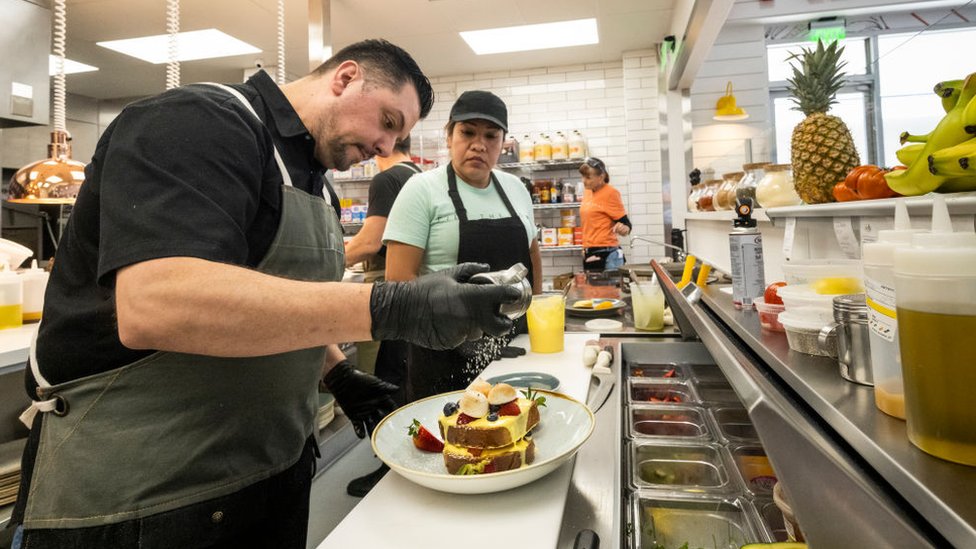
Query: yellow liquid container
(547, 323)
(648, 302)
(935, 294)
(35, 282)
(11, 300)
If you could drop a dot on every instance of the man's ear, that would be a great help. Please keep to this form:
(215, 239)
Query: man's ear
(345, 74)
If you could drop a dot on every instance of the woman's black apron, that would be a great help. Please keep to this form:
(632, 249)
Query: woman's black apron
(500, 243)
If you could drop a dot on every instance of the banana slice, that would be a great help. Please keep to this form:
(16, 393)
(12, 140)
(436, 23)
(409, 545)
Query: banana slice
(583, 304)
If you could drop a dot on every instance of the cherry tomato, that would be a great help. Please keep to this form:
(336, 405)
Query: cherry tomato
(770, 296)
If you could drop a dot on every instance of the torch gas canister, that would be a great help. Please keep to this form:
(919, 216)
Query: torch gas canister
(746, 252)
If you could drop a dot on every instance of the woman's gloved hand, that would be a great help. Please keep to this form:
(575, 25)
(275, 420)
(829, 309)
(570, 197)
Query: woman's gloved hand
(440, 311)
(365, 399)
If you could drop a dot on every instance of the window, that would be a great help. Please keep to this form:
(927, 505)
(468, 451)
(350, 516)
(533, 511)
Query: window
(909, 66)
(853, 101)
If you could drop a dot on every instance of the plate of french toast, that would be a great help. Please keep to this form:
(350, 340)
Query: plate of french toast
(486, 438)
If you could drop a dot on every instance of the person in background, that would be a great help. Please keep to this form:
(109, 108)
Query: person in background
(388, 358)
(462, 211)
(603, 218)
(192, 304)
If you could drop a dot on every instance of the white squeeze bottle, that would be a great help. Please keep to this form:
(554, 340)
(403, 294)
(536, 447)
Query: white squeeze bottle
(935, 295)
(35, 282)
(11, 297)
(879, 285)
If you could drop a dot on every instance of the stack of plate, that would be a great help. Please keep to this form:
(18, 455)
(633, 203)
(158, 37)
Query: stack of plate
(10, 454)
(326, 409)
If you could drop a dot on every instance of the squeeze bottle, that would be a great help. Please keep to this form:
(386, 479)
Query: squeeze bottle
(11, 297)
(879, 285)
(35, 282)
(935, 295)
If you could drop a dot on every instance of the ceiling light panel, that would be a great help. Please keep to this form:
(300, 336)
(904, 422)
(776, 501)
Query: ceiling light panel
(191, 45)
(562, 34)
(70, 67)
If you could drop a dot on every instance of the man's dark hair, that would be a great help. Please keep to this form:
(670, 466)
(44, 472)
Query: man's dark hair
(387, 65)
(402, 145)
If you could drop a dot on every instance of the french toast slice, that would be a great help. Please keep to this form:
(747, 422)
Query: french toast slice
(471, 461)
(482, 433)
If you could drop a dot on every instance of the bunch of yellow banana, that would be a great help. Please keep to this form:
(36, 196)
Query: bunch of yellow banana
(945, 158)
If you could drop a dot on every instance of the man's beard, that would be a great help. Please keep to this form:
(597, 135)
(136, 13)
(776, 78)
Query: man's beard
(337, 152)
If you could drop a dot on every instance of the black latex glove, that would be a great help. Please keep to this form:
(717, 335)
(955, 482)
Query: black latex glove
(440, 311)
(512, 351)
(365, 399)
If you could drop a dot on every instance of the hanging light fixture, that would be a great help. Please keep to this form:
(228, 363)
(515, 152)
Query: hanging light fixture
(56, 179)
(725, 108)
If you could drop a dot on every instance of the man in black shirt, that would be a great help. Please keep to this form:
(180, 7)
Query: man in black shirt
(187, 316)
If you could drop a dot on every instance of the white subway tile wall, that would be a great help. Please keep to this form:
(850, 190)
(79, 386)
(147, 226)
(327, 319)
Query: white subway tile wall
(614, 106)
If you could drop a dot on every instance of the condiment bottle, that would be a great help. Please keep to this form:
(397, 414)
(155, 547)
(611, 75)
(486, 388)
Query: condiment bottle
(577, 146)
(725, 195)
(543, 149)
(746, 188)
(11, 298)
(35, 282)
(935, 294)
(526, 150)
(560, 147)
(879, 285)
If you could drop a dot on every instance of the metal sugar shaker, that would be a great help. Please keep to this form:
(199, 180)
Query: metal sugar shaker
(853, 338)
(514, 276)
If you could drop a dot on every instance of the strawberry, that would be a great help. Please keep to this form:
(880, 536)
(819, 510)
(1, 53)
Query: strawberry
(423, 439)
(476, 452)
(490, 467)
(509, 409)
(464, 419)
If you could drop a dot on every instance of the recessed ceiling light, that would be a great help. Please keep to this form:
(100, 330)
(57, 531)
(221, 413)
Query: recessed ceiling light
(579, 32)
(191, 45)
(70, 67)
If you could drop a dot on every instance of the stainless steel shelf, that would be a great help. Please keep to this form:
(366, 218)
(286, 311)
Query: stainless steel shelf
(940, 491)
(542, 166)
(560, 248)
(556, 206)
(353, 180)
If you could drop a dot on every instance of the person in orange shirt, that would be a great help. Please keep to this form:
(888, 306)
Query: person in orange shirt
(603, 217)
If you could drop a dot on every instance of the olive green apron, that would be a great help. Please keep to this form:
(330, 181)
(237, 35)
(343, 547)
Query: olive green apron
(174, 429)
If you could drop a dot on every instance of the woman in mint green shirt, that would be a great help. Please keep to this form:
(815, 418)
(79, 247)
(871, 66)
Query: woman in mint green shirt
(462, 211)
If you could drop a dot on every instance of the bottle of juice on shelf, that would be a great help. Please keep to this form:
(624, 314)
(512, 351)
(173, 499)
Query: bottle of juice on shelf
(543, 191)
(555, 193)
(526, 150)
(543, 149)
(560, 147)
(935, 297)
(577, 146)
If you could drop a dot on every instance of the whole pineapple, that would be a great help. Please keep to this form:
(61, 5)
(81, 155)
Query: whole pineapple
(823, 150)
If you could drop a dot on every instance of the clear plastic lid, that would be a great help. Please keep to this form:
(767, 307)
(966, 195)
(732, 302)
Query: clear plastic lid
(941, 252)
(34, 272)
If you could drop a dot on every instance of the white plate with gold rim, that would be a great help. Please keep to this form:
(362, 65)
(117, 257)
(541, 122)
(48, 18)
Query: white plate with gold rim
(564, 426)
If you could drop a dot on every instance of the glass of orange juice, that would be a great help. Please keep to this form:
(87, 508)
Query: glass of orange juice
(547, 323)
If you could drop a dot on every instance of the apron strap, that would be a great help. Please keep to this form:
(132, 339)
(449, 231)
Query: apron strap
(462, 212)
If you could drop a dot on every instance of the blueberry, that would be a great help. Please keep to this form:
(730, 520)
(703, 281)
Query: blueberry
(494, 407)
(493, 416)
(450, 408)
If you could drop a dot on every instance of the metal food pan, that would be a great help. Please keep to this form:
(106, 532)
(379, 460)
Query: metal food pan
(663, 370)
(691, 469)
(732, 424)
(673, 522)
(668, 421)
(754, 468)
(661, 391)
(717, 392)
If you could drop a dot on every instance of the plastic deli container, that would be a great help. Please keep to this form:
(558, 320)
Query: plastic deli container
(681, 468)
(803, 296)
(769, 314)
(825, 272)
(803, 335)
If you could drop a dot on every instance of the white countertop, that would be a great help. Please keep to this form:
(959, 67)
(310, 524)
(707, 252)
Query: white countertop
(15, 345)
(399, 513)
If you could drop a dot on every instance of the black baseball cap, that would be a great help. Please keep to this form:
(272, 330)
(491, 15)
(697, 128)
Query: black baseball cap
(480, 104)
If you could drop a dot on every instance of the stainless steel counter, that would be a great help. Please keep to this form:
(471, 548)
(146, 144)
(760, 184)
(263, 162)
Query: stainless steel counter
(939, 491)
